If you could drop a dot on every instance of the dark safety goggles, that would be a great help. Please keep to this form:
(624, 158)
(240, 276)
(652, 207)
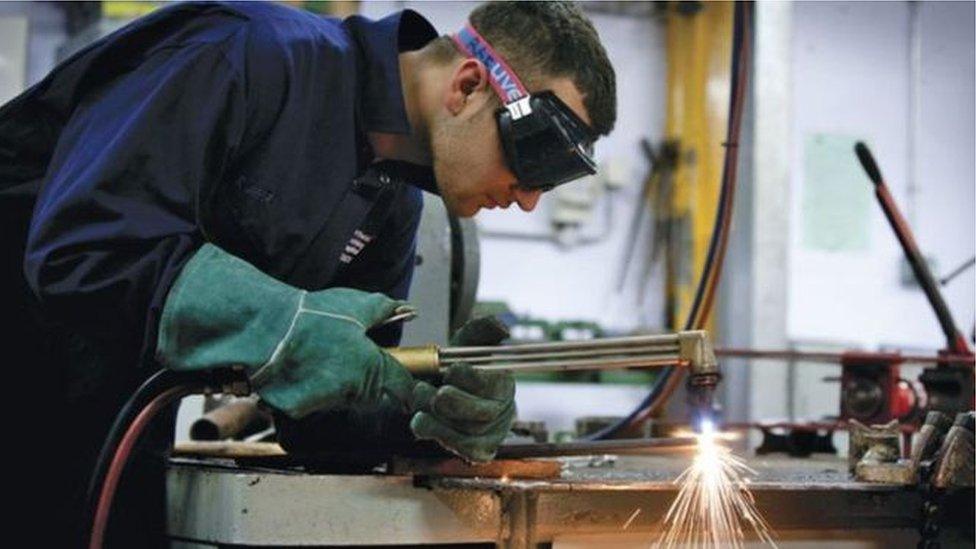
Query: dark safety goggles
(545, 143)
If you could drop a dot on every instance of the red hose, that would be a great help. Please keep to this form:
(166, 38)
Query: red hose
(733, 161)
(121, 457)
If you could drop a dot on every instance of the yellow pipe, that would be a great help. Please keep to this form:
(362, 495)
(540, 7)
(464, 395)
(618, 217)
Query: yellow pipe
(699, 74)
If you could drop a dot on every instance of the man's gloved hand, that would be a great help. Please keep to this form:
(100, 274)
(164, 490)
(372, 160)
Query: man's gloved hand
(303, 351)
(472, 411)
(470, 414)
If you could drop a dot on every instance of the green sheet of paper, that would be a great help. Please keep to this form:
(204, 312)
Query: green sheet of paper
(836, 204)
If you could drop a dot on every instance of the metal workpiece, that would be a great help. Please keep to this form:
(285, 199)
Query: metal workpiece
(272, 454)
(216, 502)
(692, 349)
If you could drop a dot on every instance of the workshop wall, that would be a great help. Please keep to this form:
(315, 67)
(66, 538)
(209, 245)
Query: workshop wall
(45, 33)
(901, 77)
(853, 79)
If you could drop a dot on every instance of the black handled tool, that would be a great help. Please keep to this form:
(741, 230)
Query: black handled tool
(955, 341)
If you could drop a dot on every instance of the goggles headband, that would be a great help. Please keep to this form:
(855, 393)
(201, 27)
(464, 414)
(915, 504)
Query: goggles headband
(545, 143)
(503, 79)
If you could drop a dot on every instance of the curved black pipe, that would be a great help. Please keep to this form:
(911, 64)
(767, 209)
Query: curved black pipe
(157, 384)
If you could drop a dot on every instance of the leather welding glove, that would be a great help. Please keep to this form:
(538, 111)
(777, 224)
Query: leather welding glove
(472, 411)
(381, 429)
(302, 351)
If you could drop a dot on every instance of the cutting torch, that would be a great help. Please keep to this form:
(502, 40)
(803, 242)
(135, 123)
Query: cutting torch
(691, 349)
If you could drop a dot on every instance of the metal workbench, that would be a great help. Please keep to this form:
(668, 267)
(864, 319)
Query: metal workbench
(217, 502)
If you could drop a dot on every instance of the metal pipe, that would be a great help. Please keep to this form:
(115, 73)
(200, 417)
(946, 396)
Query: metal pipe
(836, 358)
(595, 447)
(602, 343)
(576, 365)
(229, 420)
(632, 351)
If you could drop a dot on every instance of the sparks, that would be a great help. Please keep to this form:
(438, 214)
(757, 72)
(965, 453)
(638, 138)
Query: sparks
(632, 517)
(713, 500)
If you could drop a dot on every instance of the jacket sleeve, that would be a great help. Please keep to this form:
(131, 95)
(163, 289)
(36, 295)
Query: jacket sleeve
(119, 212)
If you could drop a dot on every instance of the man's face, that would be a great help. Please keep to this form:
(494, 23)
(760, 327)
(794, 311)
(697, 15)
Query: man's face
(469, 162)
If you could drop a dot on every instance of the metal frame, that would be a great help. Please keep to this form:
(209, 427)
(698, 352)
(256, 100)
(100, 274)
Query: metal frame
(216, 502)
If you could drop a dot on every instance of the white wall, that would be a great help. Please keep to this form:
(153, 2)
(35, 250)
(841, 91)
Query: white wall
(45, 34)
(851, 76)
(946, 151)
(13, 56)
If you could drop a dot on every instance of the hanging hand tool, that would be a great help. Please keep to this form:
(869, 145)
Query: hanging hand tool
(655, 198)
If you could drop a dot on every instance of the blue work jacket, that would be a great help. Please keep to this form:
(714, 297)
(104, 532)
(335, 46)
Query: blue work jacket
(243, 125)
(238, 124)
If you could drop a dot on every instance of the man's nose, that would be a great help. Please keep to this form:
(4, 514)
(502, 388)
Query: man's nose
(527, 199)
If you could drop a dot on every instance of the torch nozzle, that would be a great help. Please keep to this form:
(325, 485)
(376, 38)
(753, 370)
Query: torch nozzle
(701, 398)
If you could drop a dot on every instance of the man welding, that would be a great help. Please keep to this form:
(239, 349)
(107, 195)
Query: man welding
(239, 185)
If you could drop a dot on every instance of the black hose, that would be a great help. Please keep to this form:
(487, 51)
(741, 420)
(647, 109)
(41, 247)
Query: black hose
(157, 384)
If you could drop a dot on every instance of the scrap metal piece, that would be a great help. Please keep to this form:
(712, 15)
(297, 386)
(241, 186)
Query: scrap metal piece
(863, 438)
(227, 449)
(597, 447)
(885, 473)
(925, 445)
(241, 416)
(874, 451)
(955, 467)
(929, 438)
(453, 467)
(535, 430)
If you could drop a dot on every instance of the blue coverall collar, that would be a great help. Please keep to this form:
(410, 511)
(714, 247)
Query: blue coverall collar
(381, 41)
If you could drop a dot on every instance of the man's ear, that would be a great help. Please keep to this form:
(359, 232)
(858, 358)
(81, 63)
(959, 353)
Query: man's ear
(469, 77)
